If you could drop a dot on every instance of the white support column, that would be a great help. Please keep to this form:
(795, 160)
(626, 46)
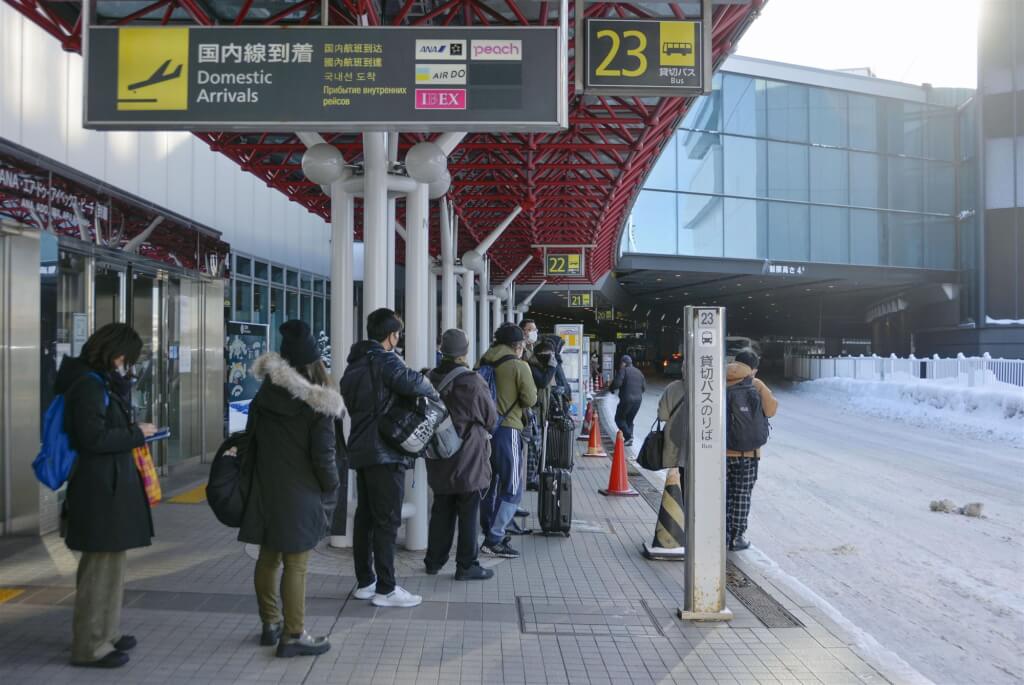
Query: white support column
(485, 308)
(375, 222)
(432, 318)
(495, 312)
(342, 323)
(508, 290)
(510, 305)
(392, 139)
(448, 294)
(418, 342)
(469, 315)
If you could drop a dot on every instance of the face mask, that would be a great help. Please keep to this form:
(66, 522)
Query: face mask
(532, 336)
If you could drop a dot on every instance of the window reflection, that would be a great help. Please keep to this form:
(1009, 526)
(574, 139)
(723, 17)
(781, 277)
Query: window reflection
(700, 225)
(654, 221)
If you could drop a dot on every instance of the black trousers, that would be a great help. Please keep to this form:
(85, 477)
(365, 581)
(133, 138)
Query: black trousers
(461, 509)
(625, 413)
(380, 490)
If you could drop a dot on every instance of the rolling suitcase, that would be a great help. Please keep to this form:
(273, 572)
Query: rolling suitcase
(554, 501)
(561, 444)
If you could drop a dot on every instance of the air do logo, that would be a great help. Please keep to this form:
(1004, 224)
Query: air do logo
(433, 49)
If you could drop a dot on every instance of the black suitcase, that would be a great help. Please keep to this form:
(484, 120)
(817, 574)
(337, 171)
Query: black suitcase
(561, 445)
(554, 501)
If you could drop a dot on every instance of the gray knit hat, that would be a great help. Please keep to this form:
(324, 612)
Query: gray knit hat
(454, 343)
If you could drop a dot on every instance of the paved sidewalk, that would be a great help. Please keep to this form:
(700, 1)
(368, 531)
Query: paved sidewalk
(583, 609)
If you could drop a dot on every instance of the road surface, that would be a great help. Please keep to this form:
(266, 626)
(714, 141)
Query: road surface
(842, 505)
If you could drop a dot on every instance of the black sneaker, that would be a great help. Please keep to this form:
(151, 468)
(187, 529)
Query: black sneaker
(501, 549)
(431, 570)
(475, 572)
(271, 634)
(115, 659)
(521, 513)
(739, 544)
(125, 643)
(302, 645)
(515, 529)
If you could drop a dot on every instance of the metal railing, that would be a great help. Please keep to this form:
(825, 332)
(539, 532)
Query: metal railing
(961, 370)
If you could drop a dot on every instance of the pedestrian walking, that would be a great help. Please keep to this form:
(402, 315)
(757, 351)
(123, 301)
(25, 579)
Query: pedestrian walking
(374, 377)
(458, 481)
(106, 509)
(511, 383)
(291, 434)
(749, 405)
(630, 384)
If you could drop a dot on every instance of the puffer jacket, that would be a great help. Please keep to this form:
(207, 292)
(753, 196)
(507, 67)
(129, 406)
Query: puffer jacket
(473, 413)
(735, 373)
(516, 390)
(295, 477)
(630, 383)
(373, 376)
(106, 502)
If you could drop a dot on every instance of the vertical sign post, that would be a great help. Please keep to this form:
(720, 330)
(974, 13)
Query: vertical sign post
(705, 466)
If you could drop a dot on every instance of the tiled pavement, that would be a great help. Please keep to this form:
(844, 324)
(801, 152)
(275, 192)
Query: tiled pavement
(583, 609)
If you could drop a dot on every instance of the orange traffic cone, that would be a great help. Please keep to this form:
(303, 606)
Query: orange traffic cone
(594, 448)
(618, 483)
(588, 420)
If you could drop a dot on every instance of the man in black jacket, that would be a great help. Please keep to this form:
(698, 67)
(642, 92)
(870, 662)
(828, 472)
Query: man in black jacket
(373, 376)
(630, 384)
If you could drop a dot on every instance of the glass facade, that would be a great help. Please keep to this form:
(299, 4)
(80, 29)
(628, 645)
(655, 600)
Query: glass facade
(764, 169)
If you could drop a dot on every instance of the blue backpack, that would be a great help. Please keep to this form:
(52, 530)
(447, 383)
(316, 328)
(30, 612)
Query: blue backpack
(489, 372)
(55, 460)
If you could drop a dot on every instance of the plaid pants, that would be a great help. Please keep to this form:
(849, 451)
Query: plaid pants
(740, 476)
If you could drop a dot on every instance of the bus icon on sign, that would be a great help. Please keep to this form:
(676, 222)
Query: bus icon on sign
(677, 49)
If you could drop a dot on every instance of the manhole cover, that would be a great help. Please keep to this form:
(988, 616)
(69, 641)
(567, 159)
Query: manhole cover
(556, 616)
(328, 561)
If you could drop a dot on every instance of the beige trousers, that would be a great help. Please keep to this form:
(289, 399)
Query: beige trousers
(98, 598)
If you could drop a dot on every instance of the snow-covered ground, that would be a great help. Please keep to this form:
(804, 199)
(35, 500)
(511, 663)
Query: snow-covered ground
(842, 505)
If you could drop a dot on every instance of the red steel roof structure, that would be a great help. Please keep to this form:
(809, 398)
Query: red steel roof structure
(575, 186)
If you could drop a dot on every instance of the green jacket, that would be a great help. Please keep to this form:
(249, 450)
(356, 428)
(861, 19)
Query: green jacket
(516, 390)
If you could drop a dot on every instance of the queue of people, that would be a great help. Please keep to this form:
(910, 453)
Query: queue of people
(294, 438)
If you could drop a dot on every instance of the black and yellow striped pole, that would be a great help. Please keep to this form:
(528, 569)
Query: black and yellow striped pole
(669, 533)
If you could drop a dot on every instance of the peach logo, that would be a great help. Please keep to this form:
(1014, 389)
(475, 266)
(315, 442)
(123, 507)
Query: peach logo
(440, 98)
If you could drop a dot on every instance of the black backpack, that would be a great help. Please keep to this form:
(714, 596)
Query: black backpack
(746, 425)
(227, 490)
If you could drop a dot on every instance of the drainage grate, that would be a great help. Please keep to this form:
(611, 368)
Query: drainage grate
(751, 595)
(557, 616)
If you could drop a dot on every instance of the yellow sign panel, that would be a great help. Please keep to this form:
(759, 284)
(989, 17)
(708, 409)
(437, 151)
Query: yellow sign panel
(152, 69)
(677, 44)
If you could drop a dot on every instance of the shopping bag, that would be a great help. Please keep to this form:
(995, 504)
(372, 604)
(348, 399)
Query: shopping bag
(144, 463)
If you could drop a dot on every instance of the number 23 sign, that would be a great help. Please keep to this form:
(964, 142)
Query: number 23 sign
(645, 57)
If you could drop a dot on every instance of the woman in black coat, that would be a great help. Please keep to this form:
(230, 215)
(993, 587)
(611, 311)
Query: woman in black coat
(106, 508)
(295, 481)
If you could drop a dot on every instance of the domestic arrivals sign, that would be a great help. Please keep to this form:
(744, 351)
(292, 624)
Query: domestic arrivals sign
(644, 57)
(325, 78)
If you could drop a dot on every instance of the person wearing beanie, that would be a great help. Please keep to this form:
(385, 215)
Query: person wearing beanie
(630, 383)
(374, 378)
(515, 392)
(291, 433)
(741, 467)
(458, 481)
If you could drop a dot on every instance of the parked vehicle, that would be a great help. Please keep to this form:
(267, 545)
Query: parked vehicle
(672, 365)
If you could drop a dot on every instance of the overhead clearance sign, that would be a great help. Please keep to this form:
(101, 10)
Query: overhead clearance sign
(326, 78)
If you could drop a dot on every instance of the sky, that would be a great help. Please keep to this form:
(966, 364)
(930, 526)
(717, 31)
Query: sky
(916, 41)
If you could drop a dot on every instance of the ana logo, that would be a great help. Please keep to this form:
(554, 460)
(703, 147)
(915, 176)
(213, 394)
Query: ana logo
(440, 49)
(441, 98)
(503, 50)
(152, 69)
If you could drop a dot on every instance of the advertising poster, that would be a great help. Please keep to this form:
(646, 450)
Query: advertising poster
(244, 343)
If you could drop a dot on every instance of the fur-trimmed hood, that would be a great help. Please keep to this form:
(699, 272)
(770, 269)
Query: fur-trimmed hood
(282, 374)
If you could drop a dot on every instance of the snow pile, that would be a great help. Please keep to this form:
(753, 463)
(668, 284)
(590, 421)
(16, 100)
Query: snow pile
(992, 412)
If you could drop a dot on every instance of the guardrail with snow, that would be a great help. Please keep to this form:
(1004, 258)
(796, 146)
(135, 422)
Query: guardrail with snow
(964, 371)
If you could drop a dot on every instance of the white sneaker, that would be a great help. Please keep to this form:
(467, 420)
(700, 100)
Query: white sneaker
(399, 598)
(367, 592)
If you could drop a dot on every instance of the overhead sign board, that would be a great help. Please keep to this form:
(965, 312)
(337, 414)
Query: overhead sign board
(581, 299)
(563, 264)
(326, 78)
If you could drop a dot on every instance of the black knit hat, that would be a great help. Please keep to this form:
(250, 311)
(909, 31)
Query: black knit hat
(509, 334)
(297, 344)
(748, 357)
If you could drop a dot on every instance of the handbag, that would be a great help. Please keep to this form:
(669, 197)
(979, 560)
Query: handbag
(409, 423)
(652, 452)
(446, 442)
(147, 471)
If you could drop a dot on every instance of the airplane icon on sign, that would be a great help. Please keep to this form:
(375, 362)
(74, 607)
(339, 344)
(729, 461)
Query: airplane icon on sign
(160, 75)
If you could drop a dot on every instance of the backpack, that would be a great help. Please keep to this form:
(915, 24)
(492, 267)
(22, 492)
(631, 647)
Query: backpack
(489, 372)
(446, 441)
(226, 492)
(56, 457)
(746, 425)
